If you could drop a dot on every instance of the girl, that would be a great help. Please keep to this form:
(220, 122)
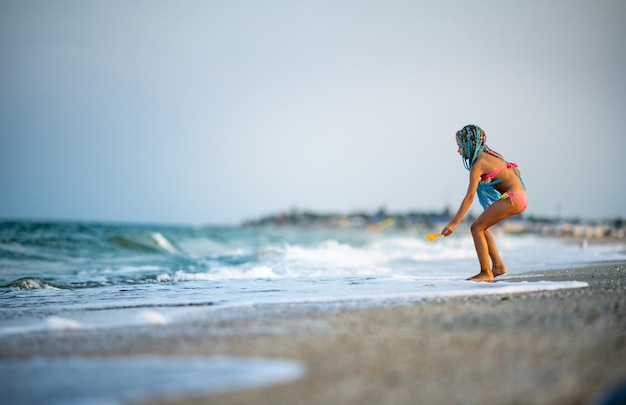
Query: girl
(501, 193)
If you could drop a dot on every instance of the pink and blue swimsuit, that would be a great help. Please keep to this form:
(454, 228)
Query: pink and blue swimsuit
(487, 194)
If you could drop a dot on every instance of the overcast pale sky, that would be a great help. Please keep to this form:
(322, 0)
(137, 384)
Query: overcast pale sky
(218, 111)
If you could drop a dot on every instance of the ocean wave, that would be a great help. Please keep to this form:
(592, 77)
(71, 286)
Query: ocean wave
(153, 242)
(16, 251)
(31, 283)
(78, 257)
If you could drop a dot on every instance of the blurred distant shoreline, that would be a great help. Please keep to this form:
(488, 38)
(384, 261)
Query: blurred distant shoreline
(381, 220)
(575, 229)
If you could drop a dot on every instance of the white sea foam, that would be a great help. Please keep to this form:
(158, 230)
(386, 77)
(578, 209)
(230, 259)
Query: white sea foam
(222, 273)
(163, 243)
(50, 324)
(334, 254)
(148, 318)
(395, 255)
(54, 324)
(205, 247)
(57, 323)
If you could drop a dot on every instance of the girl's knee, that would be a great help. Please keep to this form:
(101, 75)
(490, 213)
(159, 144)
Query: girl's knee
(477, 227)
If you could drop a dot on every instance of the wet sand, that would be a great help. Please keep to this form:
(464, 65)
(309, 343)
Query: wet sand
(551, 347)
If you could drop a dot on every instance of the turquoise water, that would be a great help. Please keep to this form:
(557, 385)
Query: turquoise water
(60, 275)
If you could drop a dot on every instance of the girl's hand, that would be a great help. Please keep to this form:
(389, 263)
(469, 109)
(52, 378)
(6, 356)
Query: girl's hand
(448, 229)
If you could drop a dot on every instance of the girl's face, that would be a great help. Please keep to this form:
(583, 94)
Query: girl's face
(458, 142)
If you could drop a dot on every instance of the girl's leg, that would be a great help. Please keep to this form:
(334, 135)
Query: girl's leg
(483, 241)
(497, 266)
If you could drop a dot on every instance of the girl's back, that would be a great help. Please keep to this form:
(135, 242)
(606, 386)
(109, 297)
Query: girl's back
(492, 167)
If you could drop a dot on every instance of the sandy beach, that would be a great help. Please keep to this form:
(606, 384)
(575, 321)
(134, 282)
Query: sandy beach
(550, 347)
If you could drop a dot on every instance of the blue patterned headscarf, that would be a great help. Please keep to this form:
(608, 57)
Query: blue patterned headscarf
(472, 140)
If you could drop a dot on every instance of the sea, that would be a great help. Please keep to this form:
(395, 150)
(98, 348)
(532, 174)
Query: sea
(49, 270)
(60, 276)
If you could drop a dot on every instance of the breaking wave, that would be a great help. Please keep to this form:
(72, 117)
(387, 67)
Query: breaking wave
(31, 283)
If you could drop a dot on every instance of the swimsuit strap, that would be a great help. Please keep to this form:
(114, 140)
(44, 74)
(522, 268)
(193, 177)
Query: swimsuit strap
(490, 176)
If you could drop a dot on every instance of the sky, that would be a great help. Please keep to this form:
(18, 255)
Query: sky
(214, 112)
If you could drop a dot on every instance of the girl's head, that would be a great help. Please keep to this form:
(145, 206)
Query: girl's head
(471, 140)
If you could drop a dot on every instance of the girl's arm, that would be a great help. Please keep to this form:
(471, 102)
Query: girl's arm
(474, 179)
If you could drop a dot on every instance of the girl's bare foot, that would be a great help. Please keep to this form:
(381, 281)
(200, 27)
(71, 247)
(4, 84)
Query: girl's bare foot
(498, 270)
(482, 276)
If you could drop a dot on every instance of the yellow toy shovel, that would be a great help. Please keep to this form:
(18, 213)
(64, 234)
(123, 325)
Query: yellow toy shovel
(432, 236)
